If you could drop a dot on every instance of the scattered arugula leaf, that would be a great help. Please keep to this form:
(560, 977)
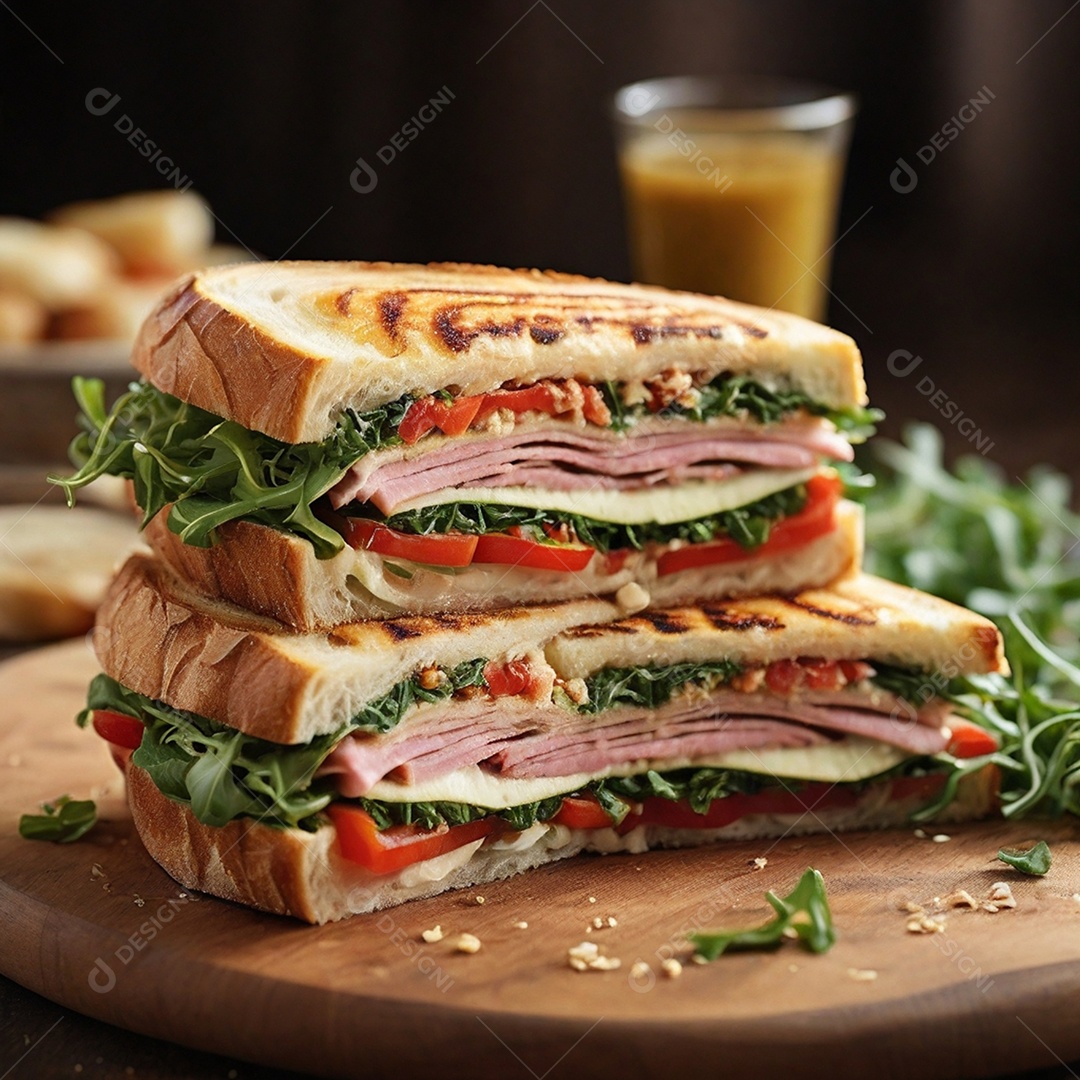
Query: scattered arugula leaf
(63, 820)
(1035, 861)
(805, 910)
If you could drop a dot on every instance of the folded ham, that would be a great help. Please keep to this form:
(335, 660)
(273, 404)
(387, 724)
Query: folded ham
(514, 738)
(563, 457)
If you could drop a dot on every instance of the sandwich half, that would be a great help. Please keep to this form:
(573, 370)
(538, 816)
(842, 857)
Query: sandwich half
(325, 442)
(325, 774)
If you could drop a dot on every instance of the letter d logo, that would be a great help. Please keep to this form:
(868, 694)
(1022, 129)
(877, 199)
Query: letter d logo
(903, 178)
(102, 978)
(363, 178)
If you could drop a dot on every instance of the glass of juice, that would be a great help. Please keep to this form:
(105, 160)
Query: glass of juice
(733, 186)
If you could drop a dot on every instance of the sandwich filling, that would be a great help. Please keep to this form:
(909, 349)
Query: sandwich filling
(511, 744)
(550, 476)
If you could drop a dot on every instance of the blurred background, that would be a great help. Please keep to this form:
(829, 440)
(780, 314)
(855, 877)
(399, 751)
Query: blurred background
(266, 108)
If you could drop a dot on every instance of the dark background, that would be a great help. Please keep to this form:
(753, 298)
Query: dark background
(266, 106)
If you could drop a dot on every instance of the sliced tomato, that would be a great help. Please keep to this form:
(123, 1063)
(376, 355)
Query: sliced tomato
(816, 518)
(118, 729)
(538, 398)
(783, 676)
(506, 680)
(419, 420)
(519, 551)
(582, 812)
(438, 549)
(969, 740)
(458, 416)
(401, 845)
(822, 675)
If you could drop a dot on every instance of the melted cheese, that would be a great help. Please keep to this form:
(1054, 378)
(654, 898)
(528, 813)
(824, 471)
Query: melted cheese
(663, 504)
(850, 759)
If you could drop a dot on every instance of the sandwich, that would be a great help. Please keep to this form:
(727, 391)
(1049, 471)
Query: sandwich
(326, 773)
(326, 442)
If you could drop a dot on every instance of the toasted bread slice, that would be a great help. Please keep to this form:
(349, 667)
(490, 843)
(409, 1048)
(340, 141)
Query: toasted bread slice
(276, 574)
(284, 348)
(860, 617)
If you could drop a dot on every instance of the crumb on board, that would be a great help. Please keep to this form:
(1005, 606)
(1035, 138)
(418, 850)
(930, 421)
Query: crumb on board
(521, 925)
(586, 956)
(96, 870)
(941, 838)
(862, 974)
(961, 898)
(592, 899)
(759, 863)
(926, 924)
(671, 967)
(467, 943)
(481, 900)
(433, 935)
(640, 970)
(1001, 895)
(920, 834)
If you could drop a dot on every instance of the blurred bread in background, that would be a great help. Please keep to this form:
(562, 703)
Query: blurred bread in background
(54, 566)
(94, 270)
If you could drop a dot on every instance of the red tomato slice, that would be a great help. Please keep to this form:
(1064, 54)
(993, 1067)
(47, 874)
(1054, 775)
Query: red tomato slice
(401, 845)
(782, 676)
(418, 421)
(816, 518)
(518, 551)
(582, 812)
(118, 729)
(538, 398)
(506, 680)
(457, 417)
(440, 549)
(969, 740)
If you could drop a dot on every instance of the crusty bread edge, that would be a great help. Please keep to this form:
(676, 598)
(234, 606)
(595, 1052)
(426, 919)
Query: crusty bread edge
(302, 874)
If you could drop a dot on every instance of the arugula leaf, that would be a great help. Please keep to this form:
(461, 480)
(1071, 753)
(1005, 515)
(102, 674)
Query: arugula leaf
(1035, 861)
(1006, 550)
(214, 470)
(805, 910)
(64, 820)
(748, 525)
(741, 395)
(652, 686)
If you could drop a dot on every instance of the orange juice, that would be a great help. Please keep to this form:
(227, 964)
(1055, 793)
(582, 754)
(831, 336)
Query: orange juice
(747, 215)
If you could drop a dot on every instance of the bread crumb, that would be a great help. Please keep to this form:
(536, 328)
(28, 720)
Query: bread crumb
(592, 899)
(586, 957)
(671, 967)
(759, 863)
(640, 970)
(632, 597)
(862, 974)
(941, 838)
(467, 943)
(522, 925)
(597, 923)
(926, 924)
(987, 906)
(1001, 895)
(920, 833)
(611, 921)
(912, 908)
(697, 958)
(433, 935)
(790, 933)
(139, 901)
(96, 870)
(480, 900)
(961, 898)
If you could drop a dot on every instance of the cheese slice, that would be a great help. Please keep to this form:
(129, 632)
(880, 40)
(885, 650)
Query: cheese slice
(845, 761)
(663, 504)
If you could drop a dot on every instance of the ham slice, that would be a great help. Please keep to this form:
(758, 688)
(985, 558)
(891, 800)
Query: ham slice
(516, 739)
(570, 457)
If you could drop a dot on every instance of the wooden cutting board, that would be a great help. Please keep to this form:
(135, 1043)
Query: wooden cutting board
(97, 927)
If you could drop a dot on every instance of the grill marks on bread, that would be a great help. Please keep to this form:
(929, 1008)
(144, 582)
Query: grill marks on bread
(456, 318)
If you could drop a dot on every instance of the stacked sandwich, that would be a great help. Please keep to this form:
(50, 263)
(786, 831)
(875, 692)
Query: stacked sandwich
(456, 571)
